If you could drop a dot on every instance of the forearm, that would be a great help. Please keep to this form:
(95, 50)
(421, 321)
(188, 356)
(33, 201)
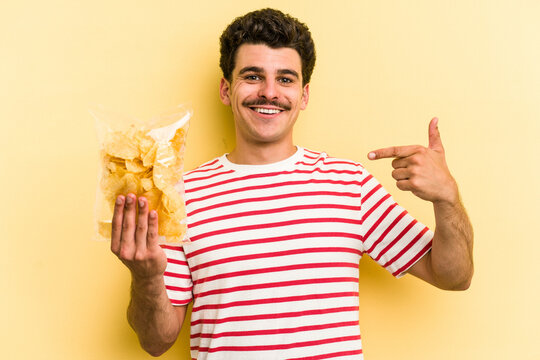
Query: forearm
(452, 251)
(152, 316)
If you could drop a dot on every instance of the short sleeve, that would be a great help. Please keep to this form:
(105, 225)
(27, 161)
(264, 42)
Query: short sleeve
(391, 236)
(177, 276)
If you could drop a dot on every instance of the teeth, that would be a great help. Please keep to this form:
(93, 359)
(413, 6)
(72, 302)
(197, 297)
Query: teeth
(267, 111)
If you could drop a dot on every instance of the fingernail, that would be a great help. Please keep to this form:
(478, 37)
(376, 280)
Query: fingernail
(129, 200)
(153, 214)
(371, 155)
(119, 200)
(141, 203)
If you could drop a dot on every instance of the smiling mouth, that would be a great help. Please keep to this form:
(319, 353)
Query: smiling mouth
(266, 111)
(267, 107)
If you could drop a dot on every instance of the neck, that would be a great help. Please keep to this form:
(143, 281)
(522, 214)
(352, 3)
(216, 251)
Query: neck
(260, 154)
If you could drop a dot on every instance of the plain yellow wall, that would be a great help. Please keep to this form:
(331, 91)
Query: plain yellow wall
(384, 68)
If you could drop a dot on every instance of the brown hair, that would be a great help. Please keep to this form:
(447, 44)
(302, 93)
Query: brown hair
(272, 28)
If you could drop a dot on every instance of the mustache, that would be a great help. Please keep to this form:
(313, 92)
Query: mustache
(266, 102)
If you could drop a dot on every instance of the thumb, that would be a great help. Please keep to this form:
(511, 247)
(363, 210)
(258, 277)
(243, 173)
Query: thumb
(435, 142)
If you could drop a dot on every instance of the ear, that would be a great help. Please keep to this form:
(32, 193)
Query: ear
(224, 87)
(305, 97)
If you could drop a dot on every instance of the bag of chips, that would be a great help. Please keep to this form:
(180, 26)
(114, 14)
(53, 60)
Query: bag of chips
(145, 159)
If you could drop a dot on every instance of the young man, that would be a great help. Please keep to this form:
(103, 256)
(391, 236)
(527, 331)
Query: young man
(276, 230)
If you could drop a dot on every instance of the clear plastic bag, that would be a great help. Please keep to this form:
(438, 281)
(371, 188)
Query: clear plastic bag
(146, 159)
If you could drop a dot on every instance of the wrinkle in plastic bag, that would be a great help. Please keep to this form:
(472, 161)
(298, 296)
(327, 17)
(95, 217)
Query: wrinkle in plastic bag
(145, 158)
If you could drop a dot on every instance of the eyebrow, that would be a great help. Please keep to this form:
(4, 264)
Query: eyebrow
(257, 69)
(254, 69)
(288, 72)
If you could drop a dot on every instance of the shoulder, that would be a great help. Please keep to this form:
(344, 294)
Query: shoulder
(324, 160)
(205, 168)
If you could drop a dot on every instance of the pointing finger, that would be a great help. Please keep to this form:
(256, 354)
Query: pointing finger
(393, 152)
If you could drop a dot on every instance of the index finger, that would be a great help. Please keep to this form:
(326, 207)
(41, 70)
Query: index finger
(393, 152)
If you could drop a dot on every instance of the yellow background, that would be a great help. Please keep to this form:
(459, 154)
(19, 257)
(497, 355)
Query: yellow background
(384, 68)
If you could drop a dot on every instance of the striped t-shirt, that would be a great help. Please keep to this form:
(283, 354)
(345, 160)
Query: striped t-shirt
(272, 266)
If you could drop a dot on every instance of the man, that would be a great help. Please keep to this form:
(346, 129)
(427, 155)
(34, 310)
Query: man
(276, 231)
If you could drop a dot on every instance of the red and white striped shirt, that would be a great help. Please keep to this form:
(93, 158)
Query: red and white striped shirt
(272, 267)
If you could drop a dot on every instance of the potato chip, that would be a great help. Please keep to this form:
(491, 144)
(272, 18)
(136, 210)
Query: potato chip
(154, 198)
(169, 223)
(172, 201)
(145, 161)
(131, 184)
(178, 141)
(111, 185)
(164, 170)
(121, 146)
(135, 165)
(144, 142)
(149, 157)
(147, 184)
(114, 164)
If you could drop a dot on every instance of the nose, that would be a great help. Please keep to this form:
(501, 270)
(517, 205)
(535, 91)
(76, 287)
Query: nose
(268, 90)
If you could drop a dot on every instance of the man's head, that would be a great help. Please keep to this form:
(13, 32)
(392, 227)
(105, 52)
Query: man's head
(271, 28)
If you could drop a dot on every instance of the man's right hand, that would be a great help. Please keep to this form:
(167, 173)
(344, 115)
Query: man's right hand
(135, 238)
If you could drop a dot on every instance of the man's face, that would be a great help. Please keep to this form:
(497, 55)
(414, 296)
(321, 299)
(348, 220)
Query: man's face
(265, 94)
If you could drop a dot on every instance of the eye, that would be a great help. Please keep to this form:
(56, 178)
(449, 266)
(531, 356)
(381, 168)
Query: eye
(252, 77)
(285, 80)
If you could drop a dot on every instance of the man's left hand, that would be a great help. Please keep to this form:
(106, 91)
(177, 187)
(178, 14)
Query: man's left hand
(422, 170)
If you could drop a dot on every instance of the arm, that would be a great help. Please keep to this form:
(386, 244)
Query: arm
(423, 171)
(449, 264)
(135, 241)
(150, 313)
